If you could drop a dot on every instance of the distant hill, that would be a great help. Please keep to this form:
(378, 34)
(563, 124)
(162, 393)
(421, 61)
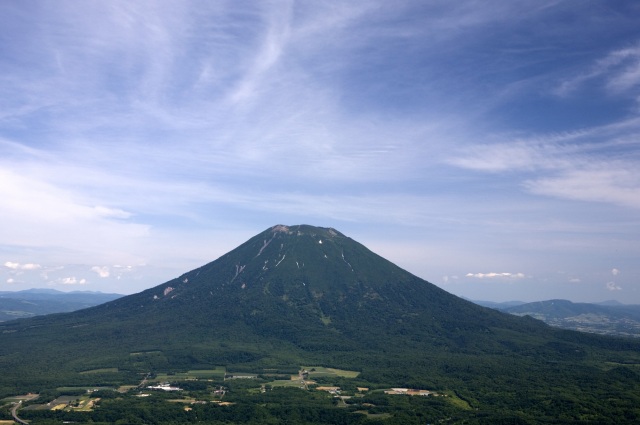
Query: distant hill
(36, 302)
(305, 295)
(610, 302)
(607, 319)
(498, 305)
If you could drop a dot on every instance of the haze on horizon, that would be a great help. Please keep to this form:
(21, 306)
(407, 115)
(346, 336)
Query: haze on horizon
(491, 148)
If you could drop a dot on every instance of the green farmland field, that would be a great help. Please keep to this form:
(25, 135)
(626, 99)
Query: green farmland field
(319, 371)
(217, 373)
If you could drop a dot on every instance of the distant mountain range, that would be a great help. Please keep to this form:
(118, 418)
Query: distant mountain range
(36, 302)
(606, 318)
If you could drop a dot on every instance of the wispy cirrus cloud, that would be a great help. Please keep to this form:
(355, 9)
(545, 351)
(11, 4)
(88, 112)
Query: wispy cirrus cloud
(595, 165)
(619, 70)
(609, 183)
(61, 218)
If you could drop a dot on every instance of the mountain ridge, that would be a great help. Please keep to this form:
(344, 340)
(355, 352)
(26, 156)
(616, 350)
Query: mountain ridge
(603, 318)
(40, 301)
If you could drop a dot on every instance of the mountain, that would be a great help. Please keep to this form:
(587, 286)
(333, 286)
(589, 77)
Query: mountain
(35, 302)
(607, 319)
(304, 295)
(498, 305)
(611, 303)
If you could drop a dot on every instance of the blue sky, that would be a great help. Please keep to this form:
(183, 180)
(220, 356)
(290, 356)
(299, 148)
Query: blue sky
(491, 148)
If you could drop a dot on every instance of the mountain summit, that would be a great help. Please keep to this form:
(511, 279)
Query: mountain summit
(304, 295)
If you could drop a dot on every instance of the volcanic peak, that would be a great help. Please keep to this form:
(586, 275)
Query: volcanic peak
(305, 229)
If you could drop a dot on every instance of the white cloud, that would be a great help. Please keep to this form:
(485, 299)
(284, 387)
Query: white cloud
(39, 214)
(450, 278)
(615, 271)
(596, 165)
(111, 212)
(605, 183)
(502, 157)
(10, 280)
(18, 266)
(101, 271)
(267, 56)
(611, 286)
(46, 271)
(496, 275)
(71, 281)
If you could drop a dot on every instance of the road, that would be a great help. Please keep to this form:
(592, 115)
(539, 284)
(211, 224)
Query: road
(144, 380)
(14, 413)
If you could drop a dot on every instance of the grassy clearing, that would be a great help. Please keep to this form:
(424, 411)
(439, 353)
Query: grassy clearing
(319, 371)
(284, 383)
(182, 400)
(611, 365)
(84, 403)
(64, 389)
(233, 375)
(457, 401)
(103, 370)
(143, 353)
(217, 373)
(373, 415)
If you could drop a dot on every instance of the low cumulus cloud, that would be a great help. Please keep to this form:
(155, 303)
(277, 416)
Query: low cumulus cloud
(615, 272)
(492, 275)
(446, 279)
(611, 286)
(71, 281)
(18, 266)
(120, 270)
(47, 270)
(101, 271)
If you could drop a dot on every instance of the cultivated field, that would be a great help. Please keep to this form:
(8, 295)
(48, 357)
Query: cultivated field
(218, 374)
(319, 371)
